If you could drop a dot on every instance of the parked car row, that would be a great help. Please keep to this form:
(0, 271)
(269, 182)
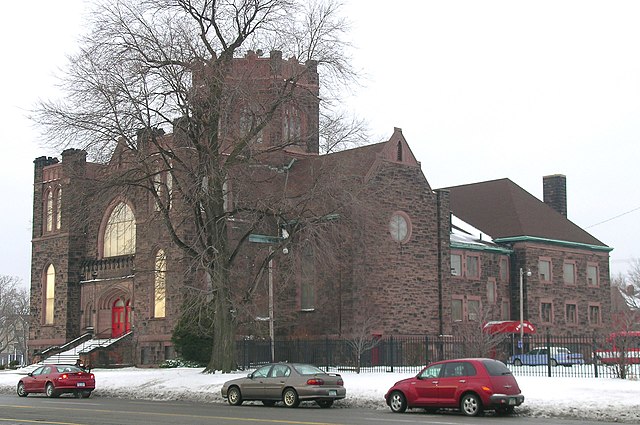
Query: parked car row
(471, 385)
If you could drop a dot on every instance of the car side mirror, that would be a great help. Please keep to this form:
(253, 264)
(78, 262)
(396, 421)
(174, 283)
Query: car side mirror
(250, 375)
(30, 374)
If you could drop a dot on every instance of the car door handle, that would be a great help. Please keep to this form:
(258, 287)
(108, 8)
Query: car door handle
(462, 381)
(434, 382)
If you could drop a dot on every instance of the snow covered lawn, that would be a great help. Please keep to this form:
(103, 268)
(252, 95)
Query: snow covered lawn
(593, 398)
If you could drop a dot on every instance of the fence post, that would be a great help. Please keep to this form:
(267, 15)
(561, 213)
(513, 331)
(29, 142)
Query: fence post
(548, 342)
(391, 352)
(426, 350)
(244, 354)
(593, 355)
(327, 353)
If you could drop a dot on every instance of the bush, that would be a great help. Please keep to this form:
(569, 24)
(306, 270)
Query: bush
(179, 363)
(193, 334)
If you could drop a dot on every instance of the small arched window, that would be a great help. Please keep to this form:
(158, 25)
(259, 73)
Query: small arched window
(163, 188)
(399, 154)
(49, 294)
(58, 208)
(120, 232)
(292, 124)
(160, 284)
(48, 210)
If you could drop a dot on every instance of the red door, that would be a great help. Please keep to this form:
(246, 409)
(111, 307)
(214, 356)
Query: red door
(426, 386)
(117, 319)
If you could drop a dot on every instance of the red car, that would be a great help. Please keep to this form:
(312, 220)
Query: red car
(54, 380)
(472, 385)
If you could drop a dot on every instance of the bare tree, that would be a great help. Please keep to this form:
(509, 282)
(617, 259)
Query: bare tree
(626, 301)
(626, 319)
(155, 65)
(476, 341)
(14, 315)
(362, 339)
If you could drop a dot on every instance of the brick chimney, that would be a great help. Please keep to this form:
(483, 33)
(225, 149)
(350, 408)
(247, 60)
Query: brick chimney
(554, 190)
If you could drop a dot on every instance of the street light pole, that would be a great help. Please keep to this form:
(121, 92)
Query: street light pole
(271, 333)
(522, 309)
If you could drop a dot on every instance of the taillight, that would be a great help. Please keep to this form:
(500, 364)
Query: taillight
(315, 381)
(340, 382)
(63, 376)
(91, 376)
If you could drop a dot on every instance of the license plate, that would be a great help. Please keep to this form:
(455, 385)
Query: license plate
(333, 392)
(80, 384)
(512, 401)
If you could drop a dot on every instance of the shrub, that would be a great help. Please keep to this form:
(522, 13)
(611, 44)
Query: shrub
(193, 334)
(171, 363)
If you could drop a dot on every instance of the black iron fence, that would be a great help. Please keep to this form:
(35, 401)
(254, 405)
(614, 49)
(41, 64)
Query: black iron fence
(562, 356)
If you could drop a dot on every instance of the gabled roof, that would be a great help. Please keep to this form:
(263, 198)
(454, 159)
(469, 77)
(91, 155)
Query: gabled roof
(504, 210)
(355, 164)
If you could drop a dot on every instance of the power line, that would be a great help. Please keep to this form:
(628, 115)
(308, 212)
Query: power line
(613, 218)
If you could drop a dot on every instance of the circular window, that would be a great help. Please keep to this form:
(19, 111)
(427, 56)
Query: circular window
(399, 227)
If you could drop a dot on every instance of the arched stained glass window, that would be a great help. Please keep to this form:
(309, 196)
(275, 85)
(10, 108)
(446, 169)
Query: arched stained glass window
(120, 232)
(49, 291)
(160, 286)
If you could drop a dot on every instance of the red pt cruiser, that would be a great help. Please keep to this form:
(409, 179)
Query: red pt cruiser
(472, 385)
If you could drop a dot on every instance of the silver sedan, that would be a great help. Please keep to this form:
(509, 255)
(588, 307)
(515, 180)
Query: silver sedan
(290, 383)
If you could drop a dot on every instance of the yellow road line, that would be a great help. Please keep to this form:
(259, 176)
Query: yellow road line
(227, 418)
(33, 421)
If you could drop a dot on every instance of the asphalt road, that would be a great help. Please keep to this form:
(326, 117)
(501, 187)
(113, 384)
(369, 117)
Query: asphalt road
(101, 411)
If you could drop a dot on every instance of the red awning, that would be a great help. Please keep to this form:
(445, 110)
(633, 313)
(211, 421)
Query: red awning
(508, 327)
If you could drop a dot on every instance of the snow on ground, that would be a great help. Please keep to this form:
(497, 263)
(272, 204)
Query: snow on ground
(604, 399)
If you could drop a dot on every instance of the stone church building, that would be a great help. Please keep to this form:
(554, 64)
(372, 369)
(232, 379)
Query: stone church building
(417, 260)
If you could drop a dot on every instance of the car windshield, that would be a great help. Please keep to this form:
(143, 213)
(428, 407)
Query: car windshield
(307, 369)
(496, 368)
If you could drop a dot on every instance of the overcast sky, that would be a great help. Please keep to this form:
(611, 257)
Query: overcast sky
(481, 89)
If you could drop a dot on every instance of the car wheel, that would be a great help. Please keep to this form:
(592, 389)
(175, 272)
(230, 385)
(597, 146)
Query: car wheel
(50, 391)
(268, 403)
(86, 394)
(554, 362)
(324, 403)
(234, 397)
(470, 405)
(517, 362)
(21, 391)
(290, 397)
(397, 402)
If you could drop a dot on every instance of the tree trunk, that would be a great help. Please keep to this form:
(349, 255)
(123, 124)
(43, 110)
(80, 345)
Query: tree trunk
(223, 351)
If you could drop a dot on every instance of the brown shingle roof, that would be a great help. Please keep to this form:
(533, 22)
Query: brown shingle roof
(503, 209)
